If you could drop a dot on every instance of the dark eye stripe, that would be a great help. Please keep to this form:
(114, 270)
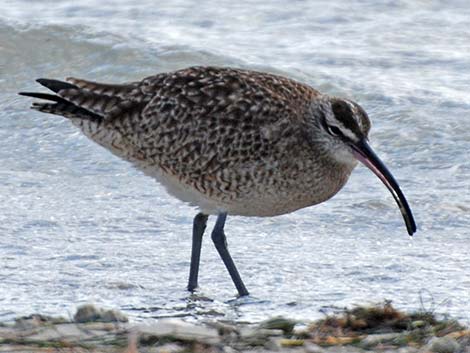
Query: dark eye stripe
(332, 130)
(344, 114)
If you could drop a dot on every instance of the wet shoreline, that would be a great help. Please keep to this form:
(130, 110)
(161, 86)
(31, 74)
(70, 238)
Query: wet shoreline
(379, 328)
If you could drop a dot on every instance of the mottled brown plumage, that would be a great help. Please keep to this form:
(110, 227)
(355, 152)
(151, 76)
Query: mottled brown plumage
(229, 141)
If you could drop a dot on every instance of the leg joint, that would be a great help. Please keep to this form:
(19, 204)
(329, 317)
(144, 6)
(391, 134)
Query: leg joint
(219, 239)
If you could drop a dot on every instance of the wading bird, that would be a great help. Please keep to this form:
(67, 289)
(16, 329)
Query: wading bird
(229, 141)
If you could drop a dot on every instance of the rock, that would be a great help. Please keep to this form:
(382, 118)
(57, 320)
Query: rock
(345, 349)
(223, 328)
(228, 349)
(278, 344)
(180, 330)
(418, 324)
(374, 340)
(69, 332)
(48, 334)
(99, 327)
(89, 313)
(36, 320)
(313, 348)
(443, 345)
(301, 330)
(407, 349)
(279, 323)
(271, 344)
(258, 336)
(171, 348)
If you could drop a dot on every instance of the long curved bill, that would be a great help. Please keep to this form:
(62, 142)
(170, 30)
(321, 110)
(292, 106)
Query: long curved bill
(364, 153)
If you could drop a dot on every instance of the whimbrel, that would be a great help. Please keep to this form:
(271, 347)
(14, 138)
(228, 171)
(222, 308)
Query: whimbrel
(229, 141)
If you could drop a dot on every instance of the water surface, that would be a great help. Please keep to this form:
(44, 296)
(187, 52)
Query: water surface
(78, 225)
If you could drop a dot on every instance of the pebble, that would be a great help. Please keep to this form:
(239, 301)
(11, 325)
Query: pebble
(279, 323)
(345, 349)
(228, 349)
(374, 340)
(224, 328)
(443, 345)
(35, 320)
(313, 348)
(69, 332)
(89, 313)
(418, 324)
(170, 348)
(181, 330)
(257, 336)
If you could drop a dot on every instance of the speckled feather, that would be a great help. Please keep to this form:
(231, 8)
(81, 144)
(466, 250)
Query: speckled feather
(221, 139)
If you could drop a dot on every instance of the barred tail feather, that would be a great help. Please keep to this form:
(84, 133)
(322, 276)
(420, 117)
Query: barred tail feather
(61, 106)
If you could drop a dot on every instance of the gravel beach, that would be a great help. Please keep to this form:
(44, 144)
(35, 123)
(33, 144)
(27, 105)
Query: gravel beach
(378, 328)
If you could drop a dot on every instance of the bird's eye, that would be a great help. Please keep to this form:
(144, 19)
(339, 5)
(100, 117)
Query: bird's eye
(334, 131)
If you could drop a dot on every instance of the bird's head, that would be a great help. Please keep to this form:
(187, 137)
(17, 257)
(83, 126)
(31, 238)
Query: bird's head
(343, 129)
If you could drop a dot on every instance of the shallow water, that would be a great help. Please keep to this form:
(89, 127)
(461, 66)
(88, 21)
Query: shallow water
(79, 225)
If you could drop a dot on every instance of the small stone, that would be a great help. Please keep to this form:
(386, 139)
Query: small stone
(180, 330)
(272, 344)
(47, 334)
(36, 320)
(418, 324)
(223, 328)
(89, 313)
(279, 323)
(346, 349)
(408, 349)
(7, 332)
(443, 345)
(101, 327)
(258, 336)
(313, 348)
(228, 349)
(69, 332)
(170, 348)
(301, 330)
(113, 316)
(248, 332)
(86, 313)
(373, 340)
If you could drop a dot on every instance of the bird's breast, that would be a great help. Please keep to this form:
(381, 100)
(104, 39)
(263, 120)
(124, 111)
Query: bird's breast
(289, 188)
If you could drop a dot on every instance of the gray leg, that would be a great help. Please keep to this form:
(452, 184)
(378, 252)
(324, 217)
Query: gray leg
(199, 226)
(220, 242)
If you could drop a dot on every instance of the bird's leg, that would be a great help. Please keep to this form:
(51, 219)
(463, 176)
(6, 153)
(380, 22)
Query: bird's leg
(220, 242)
(199, 226)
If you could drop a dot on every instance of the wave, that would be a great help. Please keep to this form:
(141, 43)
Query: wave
(65, 50)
